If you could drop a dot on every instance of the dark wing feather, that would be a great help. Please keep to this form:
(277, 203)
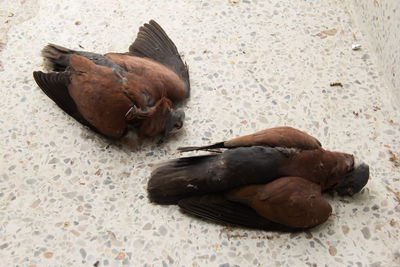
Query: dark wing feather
(217, 208)
(55, 86)
(214, 147)
(154, 43)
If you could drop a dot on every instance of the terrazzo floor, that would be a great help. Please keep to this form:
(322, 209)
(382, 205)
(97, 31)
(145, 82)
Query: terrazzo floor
(69, 197)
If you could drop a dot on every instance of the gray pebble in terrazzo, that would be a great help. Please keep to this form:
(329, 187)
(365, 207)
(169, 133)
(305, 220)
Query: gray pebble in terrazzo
(83, 252)
(366, 232)
(30, 181)
(375, 207)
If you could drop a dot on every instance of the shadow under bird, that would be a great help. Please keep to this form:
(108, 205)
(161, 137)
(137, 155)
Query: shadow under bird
(110, 92)
(272, 179)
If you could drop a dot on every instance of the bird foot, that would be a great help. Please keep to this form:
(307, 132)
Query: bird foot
(136, 113)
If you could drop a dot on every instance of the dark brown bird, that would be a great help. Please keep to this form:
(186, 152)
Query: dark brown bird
(261, 162)
(109, 92)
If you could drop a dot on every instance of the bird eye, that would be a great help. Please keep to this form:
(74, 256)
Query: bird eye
(178, 125)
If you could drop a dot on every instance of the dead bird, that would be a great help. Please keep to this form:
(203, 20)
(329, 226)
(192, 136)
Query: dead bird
(251, 171)
(109, 92)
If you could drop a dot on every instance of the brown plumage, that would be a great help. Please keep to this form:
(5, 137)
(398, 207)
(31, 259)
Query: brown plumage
(273, 137)
(109, 92)
(291, 201)
(283, 204)
(283, 161)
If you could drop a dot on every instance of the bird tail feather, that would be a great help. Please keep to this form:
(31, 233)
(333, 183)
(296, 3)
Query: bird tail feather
(174, 179)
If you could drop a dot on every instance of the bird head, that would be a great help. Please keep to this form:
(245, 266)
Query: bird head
(354, 181)
(174, 122)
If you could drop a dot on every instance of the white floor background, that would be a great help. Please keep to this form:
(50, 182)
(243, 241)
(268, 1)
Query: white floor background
(69, 197)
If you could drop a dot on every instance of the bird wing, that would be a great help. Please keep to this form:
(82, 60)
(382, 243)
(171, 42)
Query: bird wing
(98, 93)
(274, 137)
(55, 86)
(291, 202)
(152, 42)
(217, 208)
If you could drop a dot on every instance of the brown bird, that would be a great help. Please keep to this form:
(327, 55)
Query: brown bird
(110, 92)
(261, 162)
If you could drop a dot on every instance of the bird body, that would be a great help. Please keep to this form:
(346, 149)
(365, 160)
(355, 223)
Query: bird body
(251, 177)
(245, 165)
(150, 78)
(109, 92)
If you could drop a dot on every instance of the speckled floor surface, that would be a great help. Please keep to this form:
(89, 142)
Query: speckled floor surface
(69, 197)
